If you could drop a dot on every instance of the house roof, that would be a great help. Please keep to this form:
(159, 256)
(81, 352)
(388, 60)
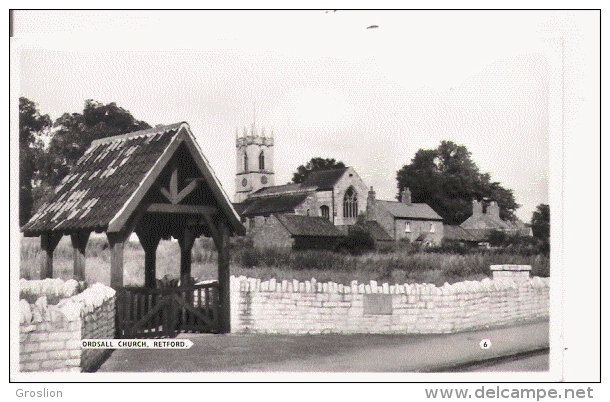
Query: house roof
(324, 179)
(300, 225)
(454, 232)
(268, 205)
(484, 221)
(377, 231)
(109, 181)
(413, 211)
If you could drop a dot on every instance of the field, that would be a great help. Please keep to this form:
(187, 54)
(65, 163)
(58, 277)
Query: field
(402, 264)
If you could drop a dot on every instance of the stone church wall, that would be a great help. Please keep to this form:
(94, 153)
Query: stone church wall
(349, 178)
(270, 234)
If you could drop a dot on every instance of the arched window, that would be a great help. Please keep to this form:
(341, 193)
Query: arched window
(245, 162)
(325, 211)
(432, 229)
(350, 203)
(261, 161)
(407, 227)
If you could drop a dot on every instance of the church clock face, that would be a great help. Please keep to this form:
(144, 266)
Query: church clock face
(264, 179)
(244, 182)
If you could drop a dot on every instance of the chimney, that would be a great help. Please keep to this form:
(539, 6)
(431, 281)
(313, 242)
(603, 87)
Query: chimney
(370, 205)
(493, 210)
(405, 196)
(477, 208)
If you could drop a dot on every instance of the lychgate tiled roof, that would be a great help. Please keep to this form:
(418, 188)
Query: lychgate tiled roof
(413, 211)
(104, 180)
(300, 225)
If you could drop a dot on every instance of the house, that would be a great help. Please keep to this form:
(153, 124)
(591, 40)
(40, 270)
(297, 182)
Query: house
(296, 231)
(416, 222)
(481, 224)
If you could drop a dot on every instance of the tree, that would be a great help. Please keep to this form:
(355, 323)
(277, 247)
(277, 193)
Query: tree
(447, 179)
(31, 125)
(74, 133)
(541, 222)
(313, 165)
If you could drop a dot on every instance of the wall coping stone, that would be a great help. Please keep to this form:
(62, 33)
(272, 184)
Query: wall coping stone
(510, 267)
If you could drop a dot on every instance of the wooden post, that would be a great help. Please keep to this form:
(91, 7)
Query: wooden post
(79, 245)
(48, 242)
(186, 244)
(224, 279)
(116, 242)
(149, 239)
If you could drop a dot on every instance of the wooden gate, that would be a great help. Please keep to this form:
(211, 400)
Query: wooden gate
(160, 313)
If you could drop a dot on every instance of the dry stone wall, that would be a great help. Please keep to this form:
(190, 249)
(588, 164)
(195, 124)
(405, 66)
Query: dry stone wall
(311, 307)
(50, 335)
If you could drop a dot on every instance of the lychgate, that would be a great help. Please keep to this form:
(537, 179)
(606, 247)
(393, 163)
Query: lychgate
(158, 184)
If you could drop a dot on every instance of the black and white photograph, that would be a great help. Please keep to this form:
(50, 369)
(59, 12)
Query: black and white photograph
(304, 195)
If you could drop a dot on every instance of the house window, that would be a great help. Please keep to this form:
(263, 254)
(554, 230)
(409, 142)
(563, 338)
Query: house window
(325, 211)
(245, 162)
(407, 227)
(350, 203)
(261, 161)
(432, 230)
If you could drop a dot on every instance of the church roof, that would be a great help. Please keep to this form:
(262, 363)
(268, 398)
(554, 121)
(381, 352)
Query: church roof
(281, 189)
(268, 205)
(111, 179)
(413, 211)
(300, 225)
(324, 179)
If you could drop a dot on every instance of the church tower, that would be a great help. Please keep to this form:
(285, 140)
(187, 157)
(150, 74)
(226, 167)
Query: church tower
(254, 169)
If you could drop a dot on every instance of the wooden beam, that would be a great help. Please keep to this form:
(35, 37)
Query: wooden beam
(48, 242)
(149, 239)
(165, 193)
(116, 242)
(173, 184)
(186, 245)
(213, 230)
(186, 191)
(224, 279)
(79, 246)
(181, 209)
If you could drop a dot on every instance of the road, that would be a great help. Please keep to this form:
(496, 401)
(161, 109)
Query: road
(529, 362)
(334, 353)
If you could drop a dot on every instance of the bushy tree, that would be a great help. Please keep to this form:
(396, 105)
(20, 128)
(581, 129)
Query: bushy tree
(447, 179)
(74, 133)
(313, 165)
(541, 222)
(31, 125)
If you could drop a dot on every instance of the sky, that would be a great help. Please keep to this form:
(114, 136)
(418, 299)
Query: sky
(326, 85)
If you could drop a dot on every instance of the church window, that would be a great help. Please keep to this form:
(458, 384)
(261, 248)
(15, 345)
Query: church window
(325, 211)
(252, 223)
(350, 203)
(261, 161)
(432, 230)
(245, 162)
(407, 227)
(307, 211)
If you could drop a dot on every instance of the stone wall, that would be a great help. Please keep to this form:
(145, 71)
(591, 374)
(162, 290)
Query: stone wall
(291, 307)
(50, 335)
